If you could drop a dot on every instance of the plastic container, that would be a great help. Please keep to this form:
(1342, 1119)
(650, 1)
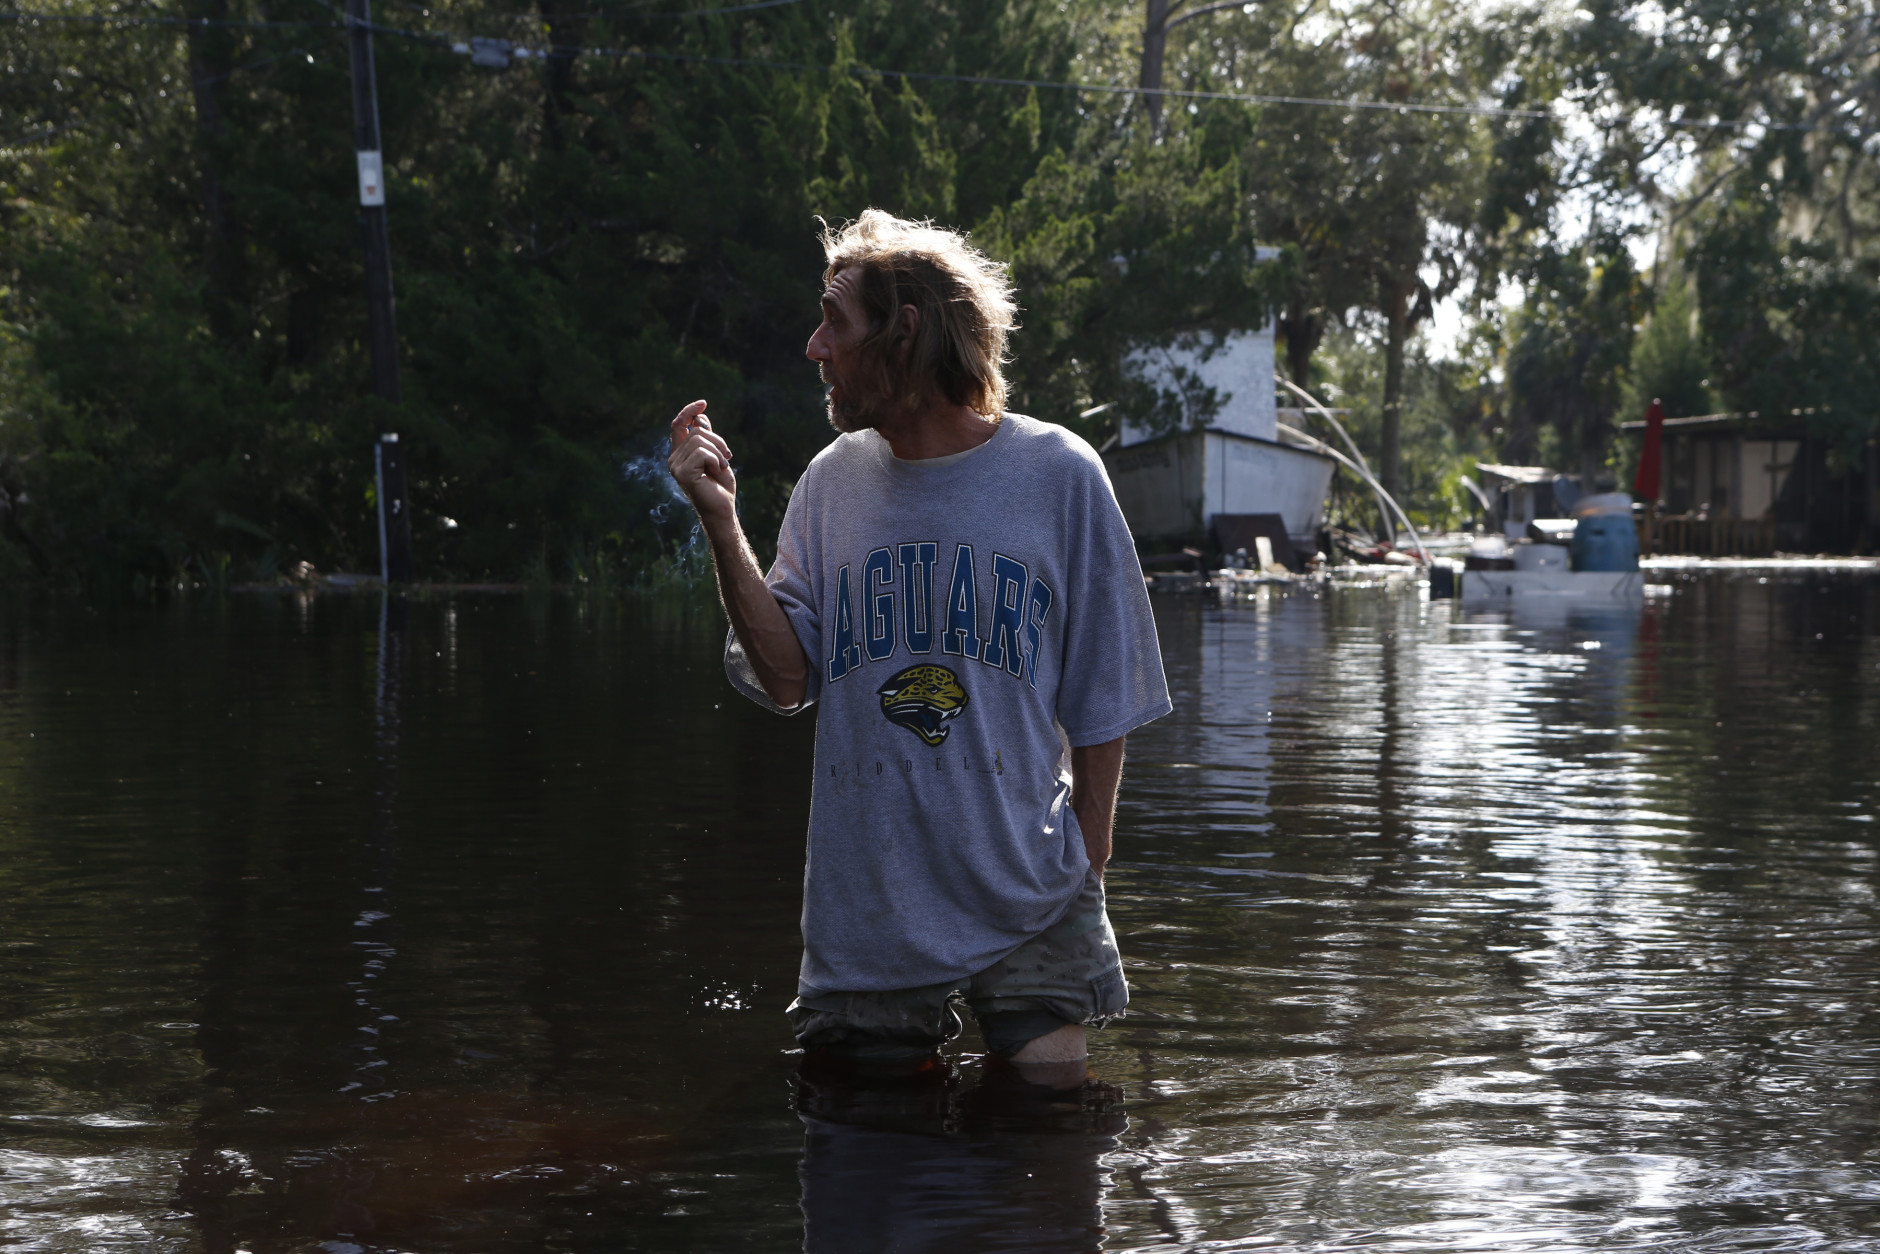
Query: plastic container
(1604, 537)
(1541, 557)
(1489, 553)
(1488, 546)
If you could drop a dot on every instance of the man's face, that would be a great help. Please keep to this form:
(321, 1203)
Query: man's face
(855, 400)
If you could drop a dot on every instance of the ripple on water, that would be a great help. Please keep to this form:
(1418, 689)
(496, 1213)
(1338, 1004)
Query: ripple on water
(1581, 987)
(1446, 932)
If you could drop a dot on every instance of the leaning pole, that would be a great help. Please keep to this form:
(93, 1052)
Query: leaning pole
(381, 318)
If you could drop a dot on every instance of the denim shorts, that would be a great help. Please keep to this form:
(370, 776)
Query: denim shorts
(1068, 973)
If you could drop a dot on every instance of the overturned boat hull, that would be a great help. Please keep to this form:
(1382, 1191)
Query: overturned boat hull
(1172, 488)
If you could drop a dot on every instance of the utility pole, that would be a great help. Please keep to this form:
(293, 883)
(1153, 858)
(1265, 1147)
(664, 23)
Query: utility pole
(381, 320)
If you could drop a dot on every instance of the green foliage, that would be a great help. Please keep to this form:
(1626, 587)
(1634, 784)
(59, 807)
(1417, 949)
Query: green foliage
(1777, 229)
(1797, 328)
(580, 246)
(1671, 360)
(1131, 244)
(1131, 241)
(1445, 405)
(1571, 346)
(583, 243)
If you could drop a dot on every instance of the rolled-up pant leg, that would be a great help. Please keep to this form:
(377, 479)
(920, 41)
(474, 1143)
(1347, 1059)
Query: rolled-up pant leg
(902, 1023)
(1069, 973)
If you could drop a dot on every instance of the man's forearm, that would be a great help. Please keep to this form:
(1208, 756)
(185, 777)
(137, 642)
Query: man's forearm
(775, 654)
(1096, 772)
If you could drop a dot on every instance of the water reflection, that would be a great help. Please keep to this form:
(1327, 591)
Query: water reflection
(222, 1163)
(1492, 977)
(1446, 932)
(952, 1157)
(373, 926)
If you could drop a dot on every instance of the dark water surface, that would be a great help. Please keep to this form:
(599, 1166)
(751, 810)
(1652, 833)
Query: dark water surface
(1446, 933)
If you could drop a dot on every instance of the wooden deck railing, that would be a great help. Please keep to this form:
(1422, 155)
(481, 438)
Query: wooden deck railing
(1683, 534)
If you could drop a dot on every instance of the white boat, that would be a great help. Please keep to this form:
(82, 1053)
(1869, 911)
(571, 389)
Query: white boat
(1174, 488)
(1479, 586)
(1542, 567)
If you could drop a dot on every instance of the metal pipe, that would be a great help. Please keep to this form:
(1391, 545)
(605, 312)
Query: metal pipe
(1363, 467)
(1365, 475)
(1479, 495)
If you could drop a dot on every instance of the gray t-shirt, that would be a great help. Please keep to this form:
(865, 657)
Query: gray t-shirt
(955, 616)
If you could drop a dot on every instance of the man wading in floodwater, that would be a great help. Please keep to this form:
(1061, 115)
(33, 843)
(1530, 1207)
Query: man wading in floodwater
(956, 586)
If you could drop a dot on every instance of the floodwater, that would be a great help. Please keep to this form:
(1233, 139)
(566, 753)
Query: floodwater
(469, 930)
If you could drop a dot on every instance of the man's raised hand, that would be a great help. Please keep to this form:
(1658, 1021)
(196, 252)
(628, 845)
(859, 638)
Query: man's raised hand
(701, 463)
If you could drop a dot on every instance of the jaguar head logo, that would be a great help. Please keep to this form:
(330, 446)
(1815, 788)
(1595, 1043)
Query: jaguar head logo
(922, 699)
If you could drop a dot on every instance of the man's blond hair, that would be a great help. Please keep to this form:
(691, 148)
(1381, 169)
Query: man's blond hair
(964, 299)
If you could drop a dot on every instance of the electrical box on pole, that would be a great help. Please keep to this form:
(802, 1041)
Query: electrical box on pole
(381, 319)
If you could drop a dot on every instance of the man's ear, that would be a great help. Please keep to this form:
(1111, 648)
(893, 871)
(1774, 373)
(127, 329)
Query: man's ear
(909, 319)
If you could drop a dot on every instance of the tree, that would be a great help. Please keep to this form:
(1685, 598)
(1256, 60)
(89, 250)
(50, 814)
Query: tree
(1572, 342)
(1365, 200)
(1773, 106)
(1671, 360)
(1160, 17)
(1796, 327)
(1128, 243)
(1380, 203)
(581, 244)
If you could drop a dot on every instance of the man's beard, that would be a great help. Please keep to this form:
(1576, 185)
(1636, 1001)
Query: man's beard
(861, 407)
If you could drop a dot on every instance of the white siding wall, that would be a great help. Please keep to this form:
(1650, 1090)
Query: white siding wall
(1176, 485)
(1239, 366)
(1765, 468)
(1248, 478)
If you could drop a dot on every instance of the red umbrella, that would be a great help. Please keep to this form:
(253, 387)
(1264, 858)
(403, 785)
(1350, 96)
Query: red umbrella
(1645, 484)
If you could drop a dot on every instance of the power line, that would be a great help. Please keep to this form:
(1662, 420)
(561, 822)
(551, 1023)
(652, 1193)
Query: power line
(736, 8)
(619, 10)
(101, 20)
(1101, 89)
(523, 52)
(48, 131)
(497, 53)
(89, 19)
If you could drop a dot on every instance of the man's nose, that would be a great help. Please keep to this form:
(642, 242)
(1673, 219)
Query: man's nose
(817, 349)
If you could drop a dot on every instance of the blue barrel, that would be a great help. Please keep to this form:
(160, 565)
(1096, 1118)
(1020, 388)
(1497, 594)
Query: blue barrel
(1604, 537)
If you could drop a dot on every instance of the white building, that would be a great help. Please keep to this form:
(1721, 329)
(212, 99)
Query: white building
(1175, 488)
